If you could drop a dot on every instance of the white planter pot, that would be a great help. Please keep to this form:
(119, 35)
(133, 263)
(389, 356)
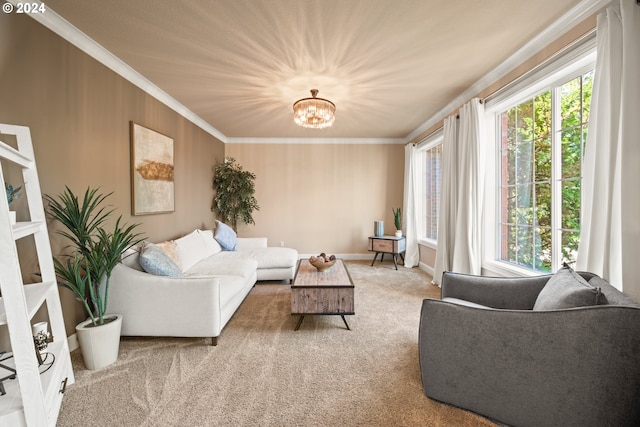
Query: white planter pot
(100, 344)
(398, 233)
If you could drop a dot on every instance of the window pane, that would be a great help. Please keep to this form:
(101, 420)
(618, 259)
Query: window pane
(542, 113)
(570, 240)
(571, 152)
(524, 203)
(432, 164)
(524, 162)
(571, 103)
(587, 86)
(543, 249)
(525, 247)
(543, 205)
(508, 205)
(524, 121)
(571, 205)
(528, 214)
(508, 172)
(508, 245)
(543, 160)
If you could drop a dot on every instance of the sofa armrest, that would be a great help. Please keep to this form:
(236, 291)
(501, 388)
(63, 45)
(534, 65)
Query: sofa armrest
(251, 243)
(165, 306)
(516, 293)
(532, 368)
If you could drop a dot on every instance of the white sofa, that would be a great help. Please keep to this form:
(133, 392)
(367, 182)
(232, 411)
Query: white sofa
(209, 287)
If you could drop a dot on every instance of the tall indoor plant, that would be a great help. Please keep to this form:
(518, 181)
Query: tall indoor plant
(86, 271)
(234, 200)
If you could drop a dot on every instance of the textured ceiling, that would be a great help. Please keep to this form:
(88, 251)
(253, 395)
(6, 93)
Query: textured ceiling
(240, 64)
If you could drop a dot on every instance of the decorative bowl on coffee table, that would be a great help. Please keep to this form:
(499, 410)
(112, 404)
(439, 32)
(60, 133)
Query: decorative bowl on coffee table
(322, 265)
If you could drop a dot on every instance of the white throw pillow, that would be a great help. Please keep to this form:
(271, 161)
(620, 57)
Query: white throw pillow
(213, 247)
(191, 249)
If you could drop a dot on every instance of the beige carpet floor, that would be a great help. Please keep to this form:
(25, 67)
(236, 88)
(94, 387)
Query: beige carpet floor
(263, 373)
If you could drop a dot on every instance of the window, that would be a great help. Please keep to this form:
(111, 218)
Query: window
(541, 143)
(431, 168)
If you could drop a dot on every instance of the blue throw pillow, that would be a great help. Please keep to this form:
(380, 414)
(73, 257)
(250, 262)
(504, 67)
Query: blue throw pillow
(155, 261)
(226, 237)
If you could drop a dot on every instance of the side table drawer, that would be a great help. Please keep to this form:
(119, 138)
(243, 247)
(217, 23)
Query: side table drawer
(380, 245)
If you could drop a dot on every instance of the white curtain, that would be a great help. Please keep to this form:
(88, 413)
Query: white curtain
(461, 193)
(610, 224)
(411, 202)
(467, 256)
(448, 199)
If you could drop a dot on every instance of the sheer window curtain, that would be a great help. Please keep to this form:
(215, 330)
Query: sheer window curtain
(467, 256)
(461, 193)
(448, 199)
(610, 228)
(411, 213)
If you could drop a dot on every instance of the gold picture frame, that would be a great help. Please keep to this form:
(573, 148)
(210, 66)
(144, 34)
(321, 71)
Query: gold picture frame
(152, 187)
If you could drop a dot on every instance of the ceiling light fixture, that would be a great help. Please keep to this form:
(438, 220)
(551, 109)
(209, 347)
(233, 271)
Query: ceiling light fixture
(316, 113)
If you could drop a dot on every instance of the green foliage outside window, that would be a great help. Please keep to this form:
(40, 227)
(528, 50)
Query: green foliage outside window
(530, 145)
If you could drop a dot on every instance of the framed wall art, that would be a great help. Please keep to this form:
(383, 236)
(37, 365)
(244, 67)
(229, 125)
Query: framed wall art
(152, 189)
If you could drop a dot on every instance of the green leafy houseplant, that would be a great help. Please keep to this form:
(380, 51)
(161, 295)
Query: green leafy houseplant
(96, 250)
(12, 193)
(397, 218)
(234, 200)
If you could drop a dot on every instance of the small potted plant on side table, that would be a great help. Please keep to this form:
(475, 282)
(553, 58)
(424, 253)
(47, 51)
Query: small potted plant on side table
(397, 220)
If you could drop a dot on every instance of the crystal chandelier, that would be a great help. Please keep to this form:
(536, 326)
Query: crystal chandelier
(316, 113)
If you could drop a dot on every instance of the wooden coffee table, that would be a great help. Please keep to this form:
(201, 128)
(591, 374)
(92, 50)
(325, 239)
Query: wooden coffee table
(329, 292)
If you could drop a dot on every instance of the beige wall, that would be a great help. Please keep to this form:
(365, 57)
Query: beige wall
(79, 113)
(322, 197)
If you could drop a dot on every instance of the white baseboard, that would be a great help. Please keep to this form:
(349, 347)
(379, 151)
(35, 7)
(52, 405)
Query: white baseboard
(426, 268)
(73, 342)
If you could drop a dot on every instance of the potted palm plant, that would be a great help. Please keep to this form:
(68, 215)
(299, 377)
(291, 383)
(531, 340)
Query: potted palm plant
(234, 199)
(397, 221)
(86, 271)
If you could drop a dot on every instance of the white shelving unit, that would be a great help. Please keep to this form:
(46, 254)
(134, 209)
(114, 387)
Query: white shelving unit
(33, 398)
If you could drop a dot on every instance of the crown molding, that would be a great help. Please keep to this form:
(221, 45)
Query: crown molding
(73, 35)
(343, 141)
(573, 17)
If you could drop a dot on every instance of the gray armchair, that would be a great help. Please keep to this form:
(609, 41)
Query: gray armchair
(483, 348)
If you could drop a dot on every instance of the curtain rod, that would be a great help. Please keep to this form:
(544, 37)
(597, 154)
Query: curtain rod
(584, 38)
(480, 100)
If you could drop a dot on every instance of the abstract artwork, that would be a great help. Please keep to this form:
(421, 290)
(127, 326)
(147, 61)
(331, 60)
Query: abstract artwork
(151, 171)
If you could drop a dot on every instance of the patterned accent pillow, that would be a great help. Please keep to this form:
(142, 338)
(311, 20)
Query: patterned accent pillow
(226, 236)
(169, 247)
(155, 261)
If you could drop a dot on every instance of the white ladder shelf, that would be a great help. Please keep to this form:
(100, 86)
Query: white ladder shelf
(32, 399)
